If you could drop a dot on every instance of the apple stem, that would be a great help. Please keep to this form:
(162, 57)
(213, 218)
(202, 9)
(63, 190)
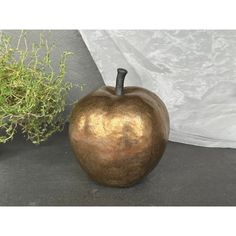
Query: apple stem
(121, 73)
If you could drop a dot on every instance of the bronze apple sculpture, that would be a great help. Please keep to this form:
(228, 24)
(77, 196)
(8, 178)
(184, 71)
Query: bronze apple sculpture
(119, 134)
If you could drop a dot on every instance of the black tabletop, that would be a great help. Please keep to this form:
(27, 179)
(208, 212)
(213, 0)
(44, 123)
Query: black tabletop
(48, 174)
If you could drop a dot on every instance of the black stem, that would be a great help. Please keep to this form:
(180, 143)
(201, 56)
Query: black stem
(121, 73)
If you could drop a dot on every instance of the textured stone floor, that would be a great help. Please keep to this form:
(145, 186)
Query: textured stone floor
(49, 175)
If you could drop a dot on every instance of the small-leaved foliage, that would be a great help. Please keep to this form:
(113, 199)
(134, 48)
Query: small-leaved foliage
(32, 93)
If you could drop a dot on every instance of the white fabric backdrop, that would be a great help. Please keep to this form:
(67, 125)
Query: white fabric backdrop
(193, 72)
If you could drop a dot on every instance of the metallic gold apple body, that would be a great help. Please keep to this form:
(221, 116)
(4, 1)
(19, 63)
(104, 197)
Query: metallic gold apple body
(119, 134)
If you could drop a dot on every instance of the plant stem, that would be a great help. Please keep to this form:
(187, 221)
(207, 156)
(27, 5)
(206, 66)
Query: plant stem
(121, 73)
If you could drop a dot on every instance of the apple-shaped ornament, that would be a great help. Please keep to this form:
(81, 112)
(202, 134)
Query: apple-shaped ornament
(119, 134)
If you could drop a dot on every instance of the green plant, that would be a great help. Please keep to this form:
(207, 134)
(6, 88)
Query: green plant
(32, 93)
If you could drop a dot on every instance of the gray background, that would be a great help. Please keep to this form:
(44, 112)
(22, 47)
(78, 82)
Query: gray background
(48, 174)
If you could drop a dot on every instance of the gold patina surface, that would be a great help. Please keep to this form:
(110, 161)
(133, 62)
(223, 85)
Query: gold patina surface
(119, 139)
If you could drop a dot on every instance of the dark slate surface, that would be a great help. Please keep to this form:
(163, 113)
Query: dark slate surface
(49, 175)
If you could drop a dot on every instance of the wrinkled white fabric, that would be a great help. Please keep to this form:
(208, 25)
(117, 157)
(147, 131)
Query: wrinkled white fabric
(193, 72)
